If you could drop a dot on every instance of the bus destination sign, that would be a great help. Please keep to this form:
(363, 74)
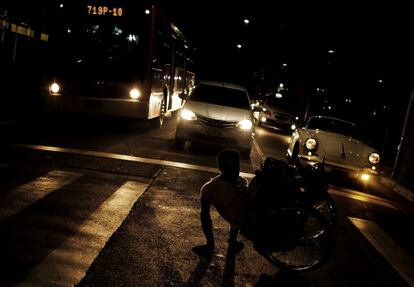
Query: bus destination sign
(104, 11)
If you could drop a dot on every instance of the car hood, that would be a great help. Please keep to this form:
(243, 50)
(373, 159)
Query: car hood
(338, 147)
(217, 112)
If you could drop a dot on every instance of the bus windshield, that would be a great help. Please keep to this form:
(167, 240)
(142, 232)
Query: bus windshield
(105, 51)
(99, 47)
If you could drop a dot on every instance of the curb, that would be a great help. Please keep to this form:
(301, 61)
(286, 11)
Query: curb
(404, 192)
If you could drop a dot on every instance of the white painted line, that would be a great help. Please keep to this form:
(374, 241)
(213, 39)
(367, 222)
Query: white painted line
(259, 150)
(360, 196)
(399, 260)
(68, 264)
(126, 158)
(15, 200)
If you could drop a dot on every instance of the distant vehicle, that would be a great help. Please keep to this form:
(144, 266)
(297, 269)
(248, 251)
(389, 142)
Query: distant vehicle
(275, 115)
(334, 141)
(122, 59)
(217, 113)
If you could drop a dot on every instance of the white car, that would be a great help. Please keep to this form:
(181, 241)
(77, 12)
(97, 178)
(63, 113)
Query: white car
(333, 140)
(217, 113)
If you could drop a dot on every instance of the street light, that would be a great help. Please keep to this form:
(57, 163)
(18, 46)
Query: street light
(246, 21)
(239, 46)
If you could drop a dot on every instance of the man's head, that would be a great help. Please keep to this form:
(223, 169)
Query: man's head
(229, 164)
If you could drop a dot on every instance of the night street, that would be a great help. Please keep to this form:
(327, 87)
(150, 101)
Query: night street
(72, 230)
(214, 143)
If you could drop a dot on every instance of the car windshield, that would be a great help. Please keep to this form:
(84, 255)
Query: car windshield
(221, 96)
(332, 125)
(283, 103)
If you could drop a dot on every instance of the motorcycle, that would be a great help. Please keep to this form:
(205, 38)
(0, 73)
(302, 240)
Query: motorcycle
(294, 216)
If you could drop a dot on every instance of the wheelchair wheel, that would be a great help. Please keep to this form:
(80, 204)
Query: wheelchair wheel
(302, 242)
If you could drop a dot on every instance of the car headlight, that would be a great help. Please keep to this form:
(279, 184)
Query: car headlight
(311, 144)
(245, 124)
(188, 115)
(263, 119)
(54, 88)
(374, 158)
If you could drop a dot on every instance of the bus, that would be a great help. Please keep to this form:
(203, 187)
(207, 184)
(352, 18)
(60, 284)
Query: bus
(116, 58)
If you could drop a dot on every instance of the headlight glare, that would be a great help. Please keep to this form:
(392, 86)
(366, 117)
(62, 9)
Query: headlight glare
(311, 144)
(374, 158)
(245, 124)
(188, 115)
(135, 94)
(54, 88)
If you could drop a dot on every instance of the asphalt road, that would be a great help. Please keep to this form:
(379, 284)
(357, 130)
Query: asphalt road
(104, 202)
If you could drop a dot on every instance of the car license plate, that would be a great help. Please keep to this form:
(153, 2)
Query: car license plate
(213, 132)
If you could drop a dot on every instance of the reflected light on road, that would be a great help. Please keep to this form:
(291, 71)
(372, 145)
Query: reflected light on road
(265, 132)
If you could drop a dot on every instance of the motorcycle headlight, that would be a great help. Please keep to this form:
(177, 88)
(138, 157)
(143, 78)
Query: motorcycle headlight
(374, 158)
(188, 115)
(311, 144)
(245, 124)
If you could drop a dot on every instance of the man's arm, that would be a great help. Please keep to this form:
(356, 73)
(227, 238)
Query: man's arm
(206, 223)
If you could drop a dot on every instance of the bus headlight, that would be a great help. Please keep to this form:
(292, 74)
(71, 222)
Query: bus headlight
(135, 94)
(245, 124)
(54, 88)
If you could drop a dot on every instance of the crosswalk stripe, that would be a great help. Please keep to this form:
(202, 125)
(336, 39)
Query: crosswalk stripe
(400, 261)
(67, 265)
(15, 200)
(365, 197)
(125, 158)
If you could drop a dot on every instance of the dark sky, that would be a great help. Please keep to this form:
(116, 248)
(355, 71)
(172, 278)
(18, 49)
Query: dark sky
(371, 41)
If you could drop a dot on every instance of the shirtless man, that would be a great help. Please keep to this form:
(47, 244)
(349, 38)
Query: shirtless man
(227, 192)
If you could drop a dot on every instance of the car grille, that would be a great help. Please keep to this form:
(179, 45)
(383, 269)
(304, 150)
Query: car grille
(215, 123)
(213, 139)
